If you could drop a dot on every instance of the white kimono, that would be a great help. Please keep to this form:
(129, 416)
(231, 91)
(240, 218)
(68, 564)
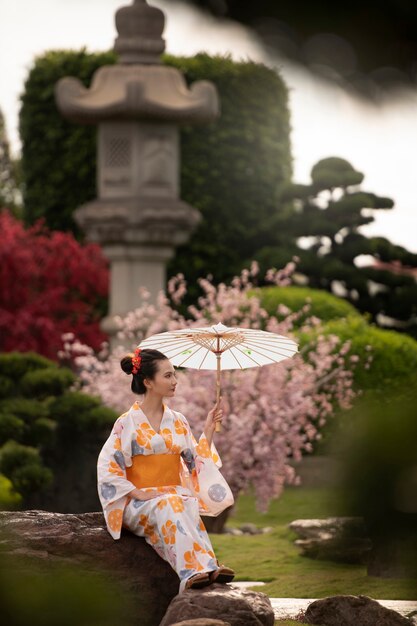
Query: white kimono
(169, 521)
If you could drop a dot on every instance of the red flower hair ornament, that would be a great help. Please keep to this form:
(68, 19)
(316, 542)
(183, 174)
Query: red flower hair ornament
(136, 361)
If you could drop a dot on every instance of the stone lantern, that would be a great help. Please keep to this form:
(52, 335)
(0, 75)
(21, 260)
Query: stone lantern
(138, 105)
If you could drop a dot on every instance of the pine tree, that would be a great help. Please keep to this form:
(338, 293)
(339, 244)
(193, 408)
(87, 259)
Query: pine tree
(329, 212)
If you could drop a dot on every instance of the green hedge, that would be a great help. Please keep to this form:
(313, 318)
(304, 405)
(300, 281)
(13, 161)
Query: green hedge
(58, 158)
(232, 169)
(77, 413)
(46, 382)
(14, 365)
(323, 305)
(24, 467)
(44, 426)
(394, 355)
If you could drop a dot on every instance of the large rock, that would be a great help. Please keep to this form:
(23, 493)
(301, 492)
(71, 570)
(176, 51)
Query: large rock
(202, 621)
(236, 606)
(342, 539)
(41, 538)
(352, 611)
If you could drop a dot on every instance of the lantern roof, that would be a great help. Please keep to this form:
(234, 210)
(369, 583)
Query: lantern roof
(139, 86)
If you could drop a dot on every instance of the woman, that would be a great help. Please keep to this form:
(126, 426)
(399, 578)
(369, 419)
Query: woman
(155, 479)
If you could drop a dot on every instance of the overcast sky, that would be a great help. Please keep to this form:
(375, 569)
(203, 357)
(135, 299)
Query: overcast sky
(380, 141)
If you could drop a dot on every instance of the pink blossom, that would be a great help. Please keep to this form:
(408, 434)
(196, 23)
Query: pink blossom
(272, 415)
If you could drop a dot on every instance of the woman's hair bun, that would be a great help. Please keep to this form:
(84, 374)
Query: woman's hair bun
(126, 364)
(145, 369)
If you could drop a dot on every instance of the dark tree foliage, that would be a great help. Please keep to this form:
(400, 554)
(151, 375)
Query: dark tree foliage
(361, 42)
(330, 211)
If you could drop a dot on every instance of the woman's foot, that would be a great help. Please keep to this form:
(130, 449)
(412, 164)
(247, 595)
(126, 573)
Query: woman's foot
(222, 575)
(198, 581)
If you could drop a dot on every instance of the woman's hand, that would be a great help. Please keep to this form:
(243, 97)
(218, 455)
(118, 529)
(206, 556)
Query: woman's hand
(214, 416)
(139, 494)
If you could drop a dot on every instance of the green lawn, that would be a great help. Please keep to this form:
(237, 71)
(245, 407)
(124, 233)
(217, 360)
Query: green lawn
(274, 559)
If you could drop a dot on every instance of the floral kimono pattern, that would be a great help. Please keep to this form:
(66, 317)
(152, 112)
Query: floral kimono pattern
(170, 520)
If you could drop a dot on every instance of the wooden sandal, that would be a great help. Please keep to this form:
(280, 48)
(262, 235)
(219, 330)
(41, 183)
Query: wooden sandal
(222, 575)
(198, 581)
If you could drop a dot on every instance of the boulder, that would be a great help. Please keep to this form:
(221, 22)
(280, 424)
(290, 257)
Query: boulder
(235, 606)
(202, 621)
(41, 538)
(352, 611)
(342, 539)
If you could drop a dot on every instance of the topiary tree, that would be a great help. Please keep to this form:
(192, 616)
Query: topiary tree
(393, 355)
(322, 305)
(49, 435)
(330, 211)
(232, 170)
(386, 363)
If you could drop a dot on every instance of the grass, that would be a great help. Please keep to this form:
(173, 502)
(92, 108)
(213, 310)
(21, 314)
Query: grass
(274, 559)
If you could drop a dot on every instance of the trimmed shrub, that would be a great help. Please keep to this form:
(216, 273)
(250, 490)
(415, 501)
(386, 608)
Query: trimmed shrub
(47, 382)
(43, 431)
(394, 355)
(323, 305)
(11, 427)
(79, 413)
(58, 158)
(15, 364)
(45, 438)
(26, 410)
(6, 386)
(232, 170)
(23, 466)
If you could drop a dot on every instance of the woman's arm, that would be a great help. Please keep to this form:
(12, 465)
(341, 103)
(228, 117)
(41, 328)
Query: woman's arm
(214, 416)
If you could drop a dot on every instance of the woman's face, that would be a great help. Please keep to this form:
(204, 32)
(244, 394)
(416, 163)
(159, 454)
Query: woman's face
(164, 381)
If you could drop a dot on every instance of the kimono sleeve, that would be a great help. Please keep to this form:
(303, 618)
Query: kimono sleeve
(202, 474)
(112, 483)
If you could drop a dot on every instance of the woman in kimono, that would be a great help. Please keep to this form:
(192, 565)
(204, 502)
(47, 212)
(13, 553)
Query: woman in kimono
(155, 479)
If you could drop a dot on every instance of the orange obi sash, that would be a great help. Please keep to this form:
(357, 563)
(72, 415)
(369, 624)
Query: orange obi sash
(154, 470)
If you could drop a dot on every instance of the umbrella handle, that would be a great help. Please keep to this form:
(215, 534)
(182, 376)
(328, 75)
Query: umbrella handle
(218, 390)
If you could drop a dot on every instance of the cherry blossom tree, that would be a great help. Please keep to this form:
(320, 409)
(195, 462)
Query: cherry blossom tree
(273, 414)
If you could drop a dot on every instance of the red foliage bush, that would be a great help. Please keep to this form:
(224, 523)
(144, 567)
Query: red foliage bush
(49, 285)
